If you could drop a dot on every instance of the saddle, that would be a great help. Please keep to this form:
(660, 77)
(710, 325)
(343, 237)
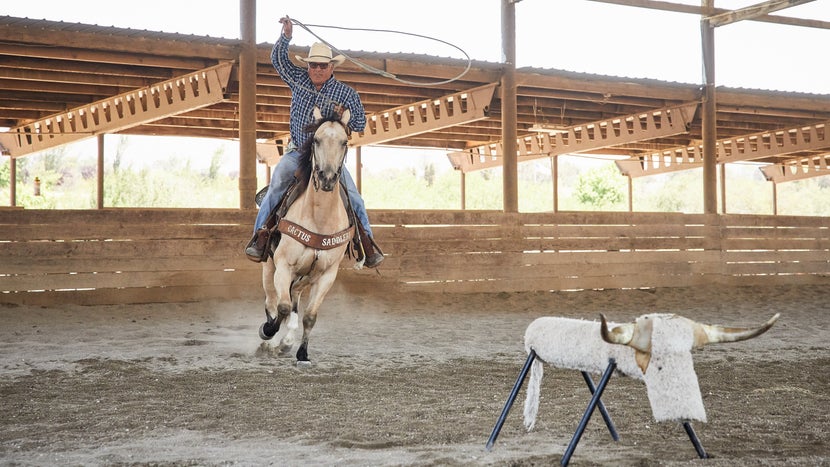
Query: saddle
(298, 186)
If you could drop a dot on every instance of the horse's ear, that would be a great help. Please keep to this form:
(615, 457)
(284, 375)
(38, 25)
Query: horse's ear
(317, 114)
(344, 119)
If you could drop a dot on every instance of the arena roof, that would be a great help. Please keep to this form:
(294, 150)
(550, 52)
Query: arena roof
(60, 82)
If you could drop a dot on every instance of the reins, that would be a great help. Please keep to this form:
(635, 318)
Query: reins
(314, 165)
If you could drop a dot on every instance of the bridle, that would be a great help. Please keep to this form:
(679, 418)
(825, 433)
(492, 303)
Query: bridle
(315, 165)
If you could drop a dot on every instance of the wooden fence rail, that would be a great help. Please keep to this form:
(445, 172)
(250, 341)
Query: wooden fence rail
(173, 255)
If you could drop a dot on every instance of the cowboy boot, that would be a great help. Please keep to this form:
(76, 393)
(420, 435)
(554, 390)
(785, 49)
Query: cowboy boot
(256, 249)
(372, 258)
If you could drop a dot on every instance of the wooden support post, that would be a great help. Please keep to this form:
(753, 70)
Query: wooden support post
(554, 175)
(723, 188)
(247, 104)
(101, 171)
(12, 181)
(509, 118)
(709, 117)
(774, 199)
(463, 190)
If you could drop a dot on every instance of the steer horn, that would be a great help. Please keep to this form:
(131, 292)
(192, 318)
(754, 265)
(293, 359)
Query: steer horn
(632, 335)
(621, 334)
(636, 335)
(711, 333)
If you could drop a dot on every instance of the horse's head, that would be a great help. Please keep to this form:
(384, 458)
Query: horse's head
(328, 147)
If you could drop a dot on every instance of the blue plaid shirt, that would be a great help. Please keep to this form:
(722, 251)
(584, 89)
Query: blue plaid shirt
(304, 98)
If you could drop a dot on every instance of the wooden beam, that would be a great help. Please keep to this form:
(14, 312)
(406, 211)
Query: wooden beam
(509, 108)
(736, 149)
(582, 138)
(187, 92)
(752, 11)
(247, 104)
(798, 169)
(426, 116)
(697, 10)
(85, 36)
(100, 57)
(709, 120)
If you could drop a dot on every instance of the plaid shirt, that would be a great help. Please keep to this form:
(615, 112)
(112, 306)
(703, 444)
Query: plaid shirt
(304, 98)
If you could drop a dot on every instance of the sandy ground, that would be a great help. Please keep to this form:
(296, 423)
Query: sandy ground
(397, 379)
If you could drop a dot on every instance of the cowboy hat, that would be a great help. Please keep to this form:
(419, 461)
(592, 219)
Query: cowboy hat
(321, 53)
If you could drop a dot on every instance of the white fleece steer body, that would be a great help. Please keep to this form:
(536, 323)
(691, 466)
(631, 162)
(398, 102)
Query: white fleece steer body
(656, 348)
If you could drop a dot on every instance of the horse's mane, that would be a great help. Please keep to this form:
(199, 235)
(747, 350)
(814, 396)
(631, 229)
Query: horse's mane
(305, 150)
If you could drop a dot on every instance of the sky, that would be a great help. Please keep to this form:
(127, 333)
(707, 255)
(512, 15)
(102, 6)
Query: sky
(574, 35)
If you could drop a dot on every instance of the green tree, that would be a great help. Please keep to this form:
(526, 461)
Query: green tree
(429, 174)
(601, 188)
(5, 172)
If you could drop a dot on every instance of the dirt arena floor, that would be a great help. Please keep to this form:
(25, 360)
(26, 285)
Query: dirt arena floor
(397, 379)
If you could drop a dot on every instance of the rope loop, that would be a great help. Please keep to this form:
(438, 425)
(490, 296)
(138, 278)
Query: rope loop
(378, 71)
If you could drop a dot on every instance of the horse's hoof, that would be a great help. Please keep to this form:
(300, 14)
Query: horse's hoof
(267, 331)
(303, 364)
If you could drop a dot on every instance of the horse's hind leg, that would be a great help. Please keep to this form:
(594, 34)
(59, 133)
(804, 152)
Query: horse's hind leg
(287, 341)
(309, 319)
(316, 295)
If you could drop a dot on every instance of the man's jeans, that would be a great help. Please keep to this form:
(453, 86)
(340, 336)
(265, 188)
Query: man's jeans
(283, 176)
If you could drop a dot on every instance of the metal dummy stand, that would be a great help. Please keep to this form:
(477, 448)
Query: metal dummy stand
(596, 394)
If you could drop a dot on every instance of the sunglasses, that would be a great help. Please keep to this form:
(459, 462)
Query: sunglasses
(318, 65)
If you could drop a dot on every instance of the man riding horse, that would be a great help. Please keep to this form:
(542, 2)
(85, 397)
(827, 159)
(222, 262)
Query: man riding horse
(314, 86)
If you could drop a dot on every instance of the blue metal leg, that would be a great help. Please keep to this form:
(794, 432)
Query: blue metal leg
(516, 387)
(605, 416)
(587, 416)
(692, 436)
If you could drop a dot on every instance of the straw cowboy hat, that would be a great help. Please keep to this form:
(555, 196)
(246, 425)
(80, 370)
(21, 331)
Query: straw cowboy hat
(321, 53)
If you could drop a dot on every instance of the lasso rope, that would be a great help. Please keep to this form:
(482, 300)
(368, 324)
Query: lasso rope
(378, 71)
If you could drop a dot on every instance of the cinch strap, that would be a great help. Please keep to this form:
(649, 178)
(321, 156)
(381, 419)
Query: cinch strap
(315, 240)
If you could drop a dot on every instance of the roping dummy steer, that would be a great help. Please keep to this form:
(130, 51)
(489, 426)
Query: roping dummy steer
(655, 348)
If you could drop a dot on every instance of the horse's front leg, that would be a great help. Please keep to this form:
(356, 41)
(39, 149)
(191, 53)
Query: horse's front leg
(274, 316)
(317, 292)
(281, 284)
(271, 325)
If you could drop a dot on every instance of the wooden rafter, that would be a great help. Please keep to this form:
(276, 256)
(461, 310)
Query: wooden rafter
(752, 11)
(744, 148)
(425, 116)
(405, 121)
(181, 94)
(582, 138)
(698, 10)
(798, 169)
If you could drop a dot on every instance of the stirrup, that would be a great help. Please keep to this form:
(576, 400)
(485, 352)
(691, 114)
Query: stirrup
(257, 248)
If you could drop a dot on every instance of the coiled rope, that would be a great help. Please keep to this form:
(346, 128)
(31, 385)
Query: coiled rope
(378, 71)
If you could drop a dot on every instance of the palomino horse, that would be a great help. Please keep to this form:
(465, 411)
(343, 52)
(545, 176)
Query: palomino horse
(315, 234)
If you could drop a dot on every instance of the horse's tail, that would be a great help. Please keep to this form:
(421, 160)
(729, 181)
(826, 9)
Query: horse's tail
(532, 397)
